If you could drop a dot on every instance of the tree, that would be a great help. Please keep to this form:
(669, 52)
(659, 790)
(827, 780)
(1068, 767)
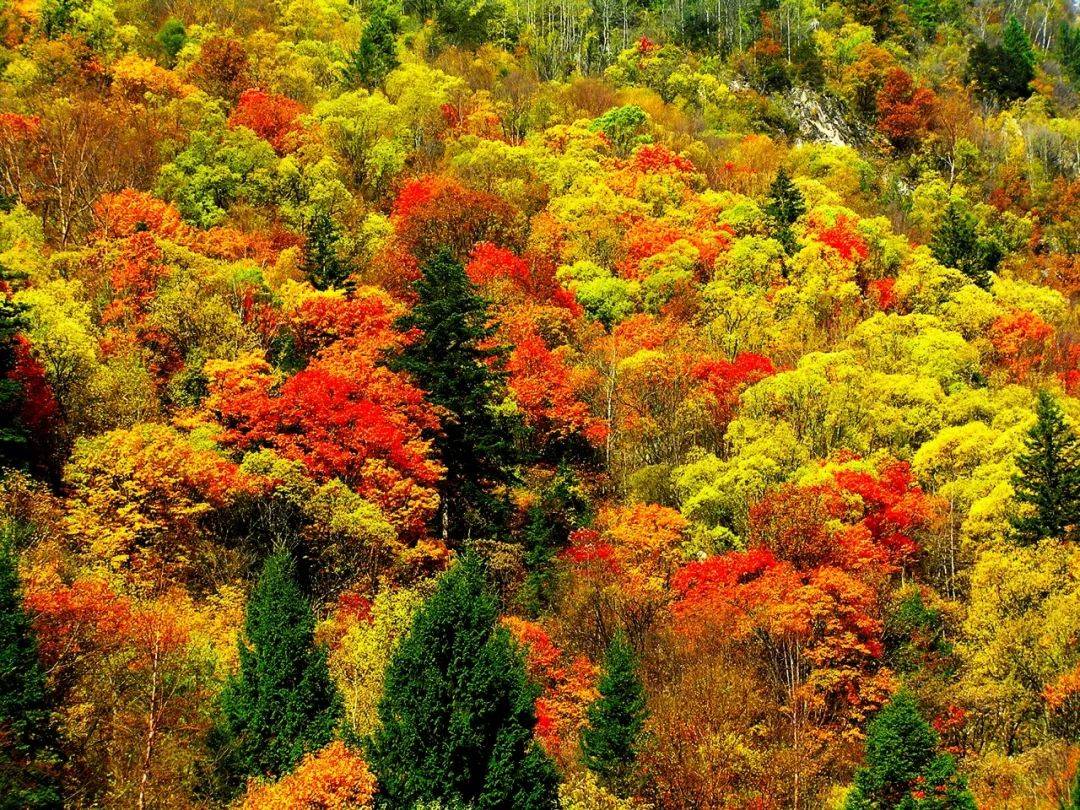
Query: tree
(1004, 72)
(462, 375)
(376, 55)
(784, 206)
(1071, 799)
(1049, 478)
(27, 734)
(609, 744)
(171, 37)
(282, 704)
(13, 433)
(457, 713)
(325, 268)
(956, 243)
(902, 767)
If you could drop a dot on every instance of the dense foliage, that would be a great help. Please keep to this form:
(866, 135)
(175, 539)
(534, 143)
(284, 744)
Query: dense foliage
(519, 404)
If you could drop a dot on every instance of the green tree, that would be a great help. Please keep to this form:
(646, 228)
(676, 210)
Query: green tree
(13, 434)
(1069, 49)
(1004, 72)
(450, 360)
(1072, 800)
(1049, 478)
(609, 744)
(562, 507)
(171, 37)
(324, 266)
(27, 734)
(903, 768)
(282, 704)
(624, 127)
(784, 205)
(956, 243)
(1017, 45)
(376, 55)
(457, 712)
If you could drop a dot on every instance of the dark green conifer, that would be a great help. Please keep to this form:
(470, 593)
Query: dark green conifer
(956, 243)
(609, 744)
(1049, 479)
(451, 361)
(27, 735)
(282, 704)
(376, 55)
(457, 716)
(903, 768)
(784, 206)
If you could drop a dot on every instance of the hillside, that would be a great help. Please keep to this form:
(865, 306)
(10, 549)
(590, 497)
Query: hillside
(533, 404)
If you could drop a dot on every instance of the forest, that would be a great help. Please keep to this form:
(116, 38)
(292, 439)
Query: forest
(535, 404)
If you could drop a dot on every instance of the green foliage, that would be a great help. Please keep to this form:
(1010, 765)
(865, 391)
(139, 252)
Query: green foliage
(27, 733)
(624, 127)
(457, 711)
(610, 742)
(325, 267)
(903, 769)
(449, 360)
(282, 704)
(171, 38)
(956, 243)
(1069, 49)
(376, 55)
(1004, 72)
(13, 434)
(1049, 480)
(784, 206)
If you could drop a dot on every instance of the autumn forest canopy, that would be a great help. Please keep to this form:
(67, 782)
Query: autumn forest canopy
(498, 404)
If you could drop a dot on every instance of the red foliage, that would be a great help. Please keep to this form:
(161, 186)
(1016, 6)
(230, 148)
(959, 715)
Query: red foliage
(272, 117)
(724, 380)
(905, 111)
(492, 263)
(842, 237)
(656, 158)
(1021, 341)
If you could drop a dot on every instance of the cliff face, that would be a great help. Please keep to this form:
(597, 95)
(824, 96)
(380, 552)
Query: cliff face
(821, 119)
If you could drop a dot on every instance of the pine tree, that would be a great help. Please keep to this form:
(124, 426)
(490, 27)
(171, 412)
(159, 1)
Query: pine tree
(450, 361)
(609, 743)
(13, 434)
(1071, 801)
(1049, 479)
(457, 712)
(325, 268)
(1004, 72)
(562, 507)
(376, 55)
(784, 206)
(27, 734)
(956, 243)
(903, 768)
(1017, 45)
(282, 704)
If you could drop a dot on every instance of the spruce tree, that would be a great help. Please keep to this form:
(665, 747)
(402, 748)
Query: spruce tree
(1071, 800)
(325, 268)
(282, 704)
(903, 768)
(1049, 478)
(376, 55)
(784, 206)
(457, 716)
(14, 437)
(27, 734)
(450, 360)
(609, 743)
(956, 243)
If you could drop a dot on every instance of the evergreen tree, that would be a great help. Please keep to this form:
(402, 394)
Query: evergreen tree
(903, 768)
(1004, 72)
(784, 206)
(450, 361)
(1071, 801)
(457, 712)
(14, 437)
(376, 55)
(282, 704)
(1069, 49)
(27, 735)
(562, 507)
(609, 743)
(1049, 479)
(171, 38)
(956, 243)
(325, 268)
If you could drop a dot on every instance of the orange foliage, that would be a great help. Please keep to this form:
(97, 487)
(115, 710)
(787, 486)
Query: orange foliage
(335, 778)
(1021, 340)
(272, 117)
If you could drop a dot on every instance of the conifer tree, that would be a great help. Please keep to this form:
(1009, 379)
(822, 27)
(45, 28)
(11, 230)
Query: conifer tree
(1071, 801)
(325, 267)
(1049, 479)
(376, 55)
(903, 768)
(956, 243)
(282, 704)
(27, 734)
(609, 744)
(1004, 72)
(13, 434)
(457, 713)
(562, 507)
(450, 360)
(784, 206)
